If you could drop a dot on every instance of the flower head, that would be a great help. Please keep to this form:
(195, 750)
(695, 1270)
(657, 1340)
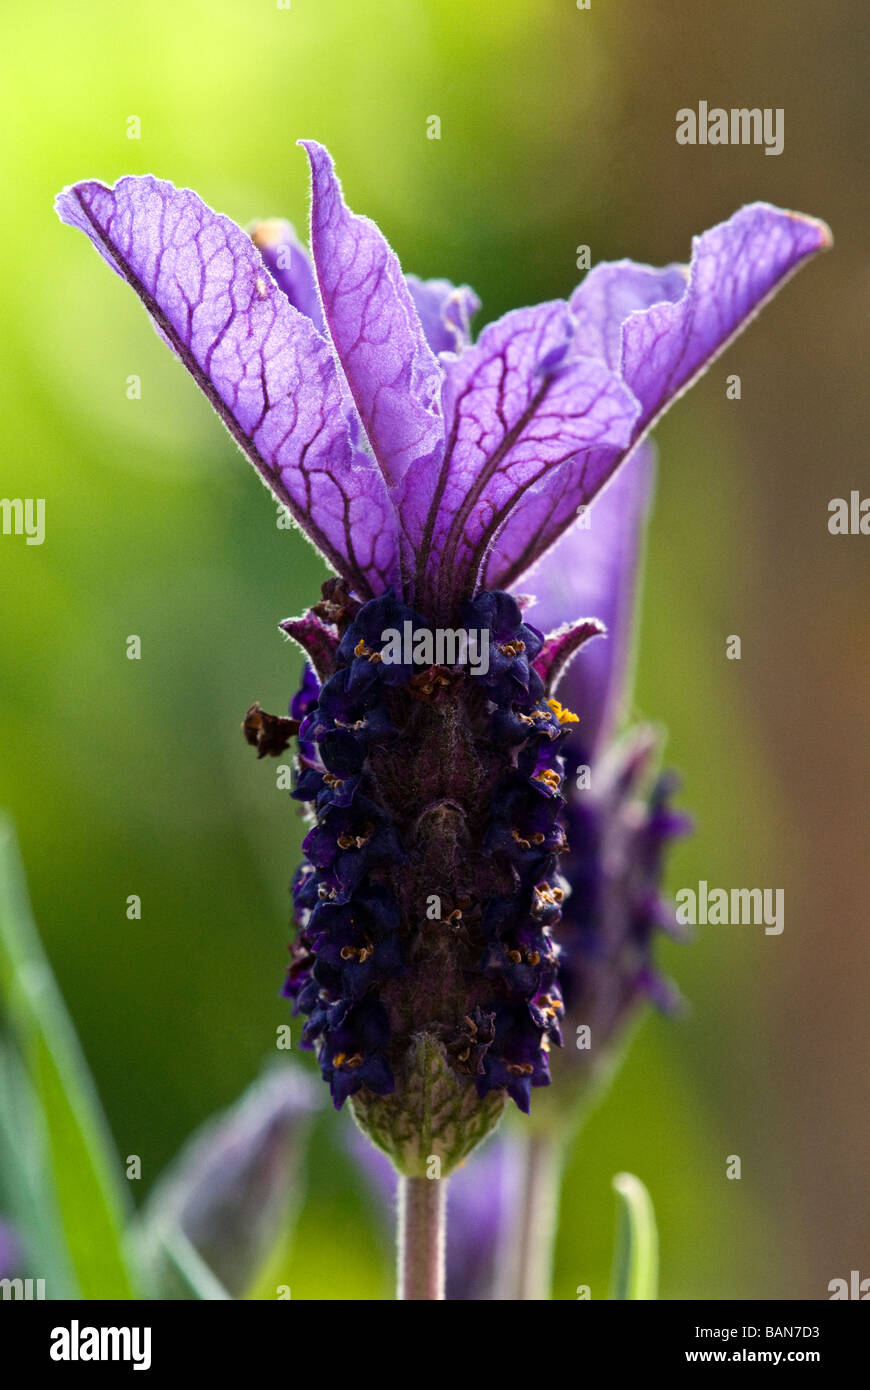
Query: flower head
(432, 472)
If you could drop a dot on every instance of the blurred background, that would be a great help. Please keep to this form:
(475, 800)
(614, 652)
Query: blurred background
(131, 777)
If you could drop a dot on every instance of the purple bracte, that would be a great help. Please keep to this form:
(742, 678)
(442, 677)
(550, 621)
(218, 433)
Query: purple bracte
(431, 472)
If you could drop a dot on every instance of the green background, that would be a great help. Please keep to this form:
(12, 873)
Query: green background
(132, 777)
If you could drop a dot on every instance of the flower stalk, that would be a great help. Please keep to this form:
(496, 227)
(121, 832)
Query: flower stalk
(528, 1266)
(422, 1227)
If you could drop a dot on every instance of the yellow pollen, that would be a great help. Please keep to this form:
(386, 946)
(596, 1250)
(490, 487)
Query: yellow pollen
(563, 715)
(548, 894)
(549, 777)
(341, 1059)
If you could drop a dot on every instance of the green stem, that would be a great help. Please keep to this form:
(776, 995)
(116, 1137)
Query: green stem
(421, 1237)
(527, 1270)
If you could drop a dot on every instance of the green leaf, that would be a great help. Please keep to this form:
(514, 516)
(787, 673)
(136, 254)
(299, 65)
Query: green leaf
(195, 1274)
(26, 1191)
(636, 1260)
(86, 1175)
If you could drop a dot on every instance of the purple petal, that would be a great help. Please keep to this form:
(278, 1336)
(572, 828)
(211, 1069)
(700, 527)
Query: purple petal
(735, 268)
(290, 266)
(262, 365)
(595, 571)
(561, 646)
(609, 293)
(445, 312)
(318, 642)
(660, 329)
(515, 408)
(393, 375)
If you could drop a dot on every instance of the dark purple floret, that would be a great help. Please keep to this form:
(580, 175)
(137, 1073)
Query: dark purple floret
(516, 1060)
(301, 706)
(354, 1036)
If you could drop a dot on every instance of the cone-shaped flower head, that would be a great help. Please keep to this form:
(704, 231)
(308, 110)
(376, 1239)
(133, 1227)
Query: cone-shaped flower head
(431, 472)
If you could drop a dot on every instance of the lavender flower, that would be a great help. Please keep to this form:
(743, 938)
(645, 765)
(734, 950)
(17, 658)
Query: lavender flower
(431, 473)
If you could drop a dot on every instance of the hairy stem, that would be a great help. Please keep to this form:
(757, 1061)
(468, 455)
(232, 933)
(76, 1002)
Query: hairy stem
(421, 1237)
